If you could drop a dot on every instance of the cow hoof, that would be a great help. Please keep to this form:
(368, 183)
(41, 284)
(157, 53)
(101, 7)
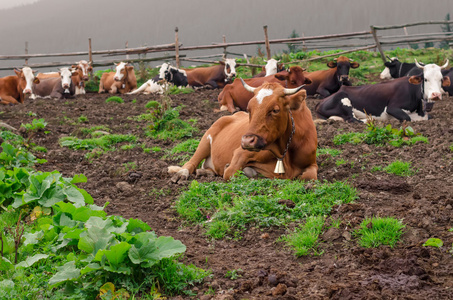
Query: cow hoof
(182, 175)
(173, 169)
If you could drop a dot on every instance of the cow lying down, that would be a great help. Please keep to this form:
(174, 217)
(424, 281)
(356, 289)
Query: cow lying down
(56, 87)
(404, 99)
(278, 128)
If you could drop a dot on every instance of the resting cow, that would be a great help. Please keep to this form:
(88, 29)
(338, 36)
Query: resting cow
(328, 82)
(57, 87)
(14, 88)
(396, 69)
(167, 74)
(405, 99)
(216, 76)
(83, 68)
(234, 95)
(122, 81)
(272, 67)
(278, 126)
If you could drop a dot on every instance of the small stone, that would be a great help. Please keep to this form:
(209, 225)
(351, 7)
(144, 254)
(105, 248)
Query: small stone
(272, 279)
(265, 235)
(280, 289)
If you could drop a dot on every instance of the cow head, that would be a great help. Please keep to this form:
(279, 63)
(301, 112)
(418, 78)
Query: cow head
(431, 82)
(270, 124)
(230, 68)
(343, 64)
(26, 80)
(84, 68)
(164, 68)
(271, 66)
(294, 77)
(391, 68)
(122, 70)
(65, 75)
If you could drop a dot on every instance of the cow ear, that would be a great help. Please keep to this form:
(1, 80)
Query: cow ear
(296, 100)
(280, 76)
(415, 80)
(332, 64)
(446, 81)
(355, 65)
(74, 66)
(90, 69)
(307, 81)
(221, 62)
(36, 80)
(17, 72)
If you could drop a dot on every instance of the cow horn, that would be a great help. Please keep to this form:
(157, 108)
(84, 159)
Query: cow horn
(418, 65)
(248, 87)
(390, 59)
(293, 91)
(445, 65)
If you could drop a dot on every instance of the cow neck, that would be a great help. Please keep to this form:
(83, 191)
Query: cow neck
(125, 76)
(279, 167)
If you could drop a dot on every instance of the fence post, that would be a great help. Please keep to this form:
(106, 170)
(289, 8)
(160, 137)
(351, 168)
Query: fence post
(378, 44)
(177, 47)
(225, 48)
(127, 46)
(26, 52)
(268, 48)
(90, 57)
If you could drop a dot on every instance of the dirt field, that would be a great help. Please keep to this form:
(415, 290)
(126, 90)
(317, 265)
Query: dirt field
(423, 201)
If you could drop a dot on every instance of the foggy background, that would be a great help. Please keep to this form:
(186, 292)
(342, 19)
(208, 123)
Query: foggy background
(58, 26)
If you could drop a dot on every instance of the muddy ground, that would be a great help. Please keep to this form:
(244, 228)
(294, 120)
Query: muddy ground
(345, 271)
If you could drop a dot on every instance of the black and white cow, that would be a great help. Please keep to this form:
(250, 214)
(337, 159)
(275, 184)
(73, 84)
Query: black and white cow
(167, 74)
(396, 69)
(407, 98)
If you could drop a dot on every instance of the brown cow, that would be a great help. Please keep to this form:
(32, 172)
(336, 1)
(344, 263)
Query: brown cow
(279, 126)
(216, 76)
(57, 87)
(122, 81)
(234, 95)
(14, 88)
(327, 82)
(83, 67)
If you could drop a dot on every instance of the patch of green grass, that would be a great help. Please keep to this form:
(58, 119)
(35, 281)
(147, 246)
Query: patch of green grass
(174, 90)
(400, 168)
(379, 231)
(82, 119)
(340, 162)
(376, 169)
(127, 147)
(40, 149)
(329, 151)
(304, 240)
(188, 146)
(233, 274)
(156, 149)
(115, 99)
(232, 207)
(91, 130)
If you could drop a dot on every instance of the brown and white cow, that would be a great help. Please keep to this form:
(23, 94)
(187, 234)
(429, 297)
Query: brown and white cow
(122, 81)
(14, 88)
(215, 77)
(277, 127)
(327, 82)
(84, 68)
(234, 95)
(57, 87)
(272, 67)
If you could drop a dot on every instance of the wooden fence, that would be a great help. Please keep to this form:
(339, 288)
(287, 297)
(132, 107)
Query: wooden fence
(364, 40)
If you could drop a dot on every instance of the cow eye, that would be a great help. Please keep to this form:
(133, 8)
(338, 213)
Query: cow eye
(293, 82)
(426, 80)
(275, 111)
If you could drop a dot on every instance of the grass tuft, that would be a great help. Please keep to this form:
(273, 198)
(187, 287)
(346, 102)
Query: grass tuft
(379, 231)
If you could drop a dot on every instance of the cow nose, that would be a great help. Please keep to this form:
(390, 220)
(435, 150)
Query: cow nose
(116, 78)
(66, 86)
(27, 91)
(248, 141)
(436, 96)
(85, 78)
(344, 77)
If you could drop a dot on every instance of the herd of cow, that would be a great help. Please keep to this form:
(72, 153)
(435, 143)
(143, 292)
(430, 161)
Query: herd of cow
(277, 118)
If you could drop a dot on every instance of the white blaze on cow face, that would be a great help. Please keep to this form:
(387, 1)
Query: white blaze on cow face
(432, 84)
(118, 75)
(230, 68)
(271, 67)
(29, 77)
(163, 69)
(65, 75)
(385, 74)
(85, 67)
(262, 94)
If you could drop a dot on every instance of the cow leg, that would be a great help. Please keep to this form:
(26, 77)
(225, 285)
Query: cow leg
(101, 87)
(310, 173)
(240, 159)
(226, 100)
(6, 100)
(398, 113)
(323, 92)
(203, 152)
(213, 84)
(113, 89)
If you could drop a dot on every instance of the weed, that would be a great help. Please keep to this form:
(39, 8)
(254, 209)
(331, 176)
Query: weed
(433, 242)
(115, 99)
(340, 162)
(40, 149)
(156, 149)
(93, 129)
(400, 168)
(31, 114)
(304, 239)
(33, 128)
(188, 147)
(328, 151)
(233, 274)
(127, 147)
(379, 231)
(376, 169)
(82, 119)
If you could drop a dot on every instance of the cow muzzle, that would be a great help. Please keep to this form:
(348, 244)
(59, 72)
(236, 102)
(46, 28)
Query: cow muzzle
(436, 96)
(252, 142)
(27, 91)
(427, 106)
(116, 78)
(65, 86)
(344, 78)
(85, 78)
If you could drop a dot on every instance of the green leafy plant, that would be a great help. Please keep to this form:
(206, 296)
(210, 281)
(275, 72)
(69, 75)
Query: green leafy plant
(433, 242)
(233, 274)
(114, 99)
(104, 142)
(33, 128)
(400, 168)
(328, 151)
(377, 231)
(304, 240)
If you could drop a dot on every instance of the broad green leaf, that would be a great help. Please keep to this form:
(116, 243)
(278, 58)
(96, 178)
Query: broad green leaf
(152, 252)
(74, 196)
(66, 272)
(85, 212)
(31, 260)
(434, 242)
(73, 234)
(65, 207)
(78, 178)
(115, 255)
(87, 197)
(121, 269)
(7, 285)
(33, 238)
(5, 264)
(137, 226)
(95, 239)
(90, 268)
